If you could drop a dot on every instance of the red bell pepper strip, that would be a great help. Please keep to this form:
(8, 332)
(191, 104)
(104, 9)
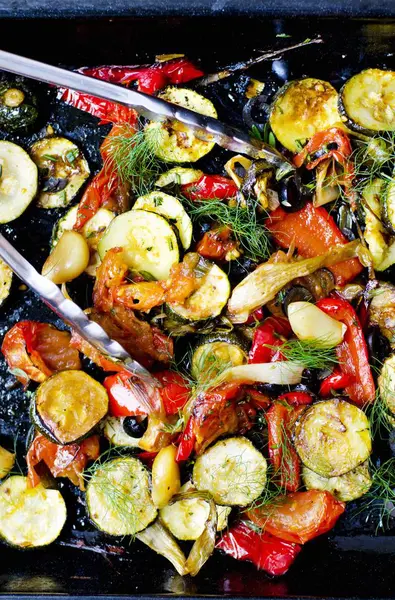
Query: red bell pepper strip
(313, 232)
(259, 400)
(105, 110)
(147, 458)
(175, 391)
(280, 419)
(123, 400)
(209, 187)
(333, 142)
(335, 381)
(267, 337)
(352, 353)
(255, 316)
(265, 551)
(187, 442)
(296, 398)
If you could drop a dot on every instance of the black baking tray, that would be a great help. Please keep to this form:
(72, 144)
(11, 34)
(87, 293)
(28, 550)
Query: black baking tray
(350, 562)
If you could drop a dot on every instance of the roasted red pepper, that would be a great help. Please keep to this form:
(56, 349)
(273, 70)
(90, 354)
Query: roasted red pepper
(280, 419)
(255, 316)
(175, 391)
(147, 458)
(296, 398)
(313, 232)
(335, 381)
(265, 551)
(267, 338)
(217, 244)
(209, 187)
(352, 353)
(187, 442)
(333, 142)
(105, 110)
(123, 400)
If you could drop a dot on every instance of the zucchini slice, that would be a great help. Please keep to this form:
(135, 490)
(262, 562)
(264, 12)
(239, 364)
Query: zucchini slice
(389, 206)
(171, 209)
(302, 108)
(232, 470)
(63, 170)
(178, 176)
(347, 487)
(332, 437)
(7, 461)
(173, 141)
(367, 101)
(374, 233)
(113, 430)
(216, 352)
(68, 405)
(18, 181)
(186, 519)
(207, 301)
(118, 497)
(30, 517)
(5, 281)
(386, 382)
(148, 241)
(382, 310)
(92, 231)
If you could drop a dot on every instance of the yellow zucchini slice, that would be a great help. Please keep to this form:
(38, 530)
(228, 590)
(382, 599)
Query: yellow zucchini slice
(5, 281)
(173, 141)
(332, 437)
(347, 487)
(18, 181)
(178, 176)
(68, 405)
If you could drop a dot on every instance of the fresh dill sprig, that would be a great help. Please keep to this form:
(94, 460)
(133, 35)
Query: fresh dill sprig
(249, 232)
(134, 156)
(379, 501)
(309, 354)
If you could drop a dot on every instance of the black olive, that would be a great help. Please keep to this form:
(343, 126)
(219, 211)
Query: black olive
(290, 193)
(52, 185)
(310, 380)
(379, 347)
(256, 111)
(135, 428)
(273, 389)
(240, 268)
(296, 293)
(203, 227)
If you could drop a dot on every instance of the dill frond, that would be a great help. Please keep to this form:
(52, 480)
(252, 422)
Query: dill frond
(135, 158)
(308, 354)
(379, 502)
(249, 232)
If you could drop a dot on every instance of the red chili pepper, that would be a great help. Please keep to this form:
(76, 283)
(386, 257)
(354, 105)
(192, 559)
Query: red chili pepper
(280, 420)
(209, 187)
(352, 353)
(187, 442)
(267, 552)
(123, 400)
(296, 398)
(313, 232)
(336, 143)
(175, 391)
(255, 316)
(267, 338)
(335, 381)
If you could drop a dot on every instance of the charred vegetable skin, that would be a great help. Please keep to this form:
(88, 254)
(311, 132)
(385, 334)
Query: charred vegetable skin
(18, 106)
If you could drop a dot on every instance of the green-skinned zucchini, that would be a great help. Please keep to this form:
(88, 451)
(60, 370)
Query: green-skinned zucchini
(186, 519)
(374, 233)
(382, 310)
(5, 281)
(302, 108)
(232, 470)
(332, 437)
(68, 406)
(386, 382)
(148, 241)
(118, 497)
(174, 142)
(171, 209)
(113, 430)
(207, 301)
(347, 487)
(18, 181)
(367, 101)
(178, 176)
(18, 106)
(63, 170)
(30, 517)
(216, 352)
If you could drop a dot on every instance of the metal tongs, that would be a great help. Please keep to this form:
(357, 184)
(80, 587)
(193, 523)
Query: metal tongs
(154, 109)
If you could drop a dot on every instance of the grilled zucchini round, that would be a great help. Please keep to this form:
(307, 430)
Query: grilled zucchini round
(332, 437)
(118, 497)
(178, 176)
(5, 281)
(386, 382)
(367, 101)
(174, 142)
(68, 405)
(30, 517)
(216, 352)
(347, 487)
(113, 430)
(302, 108)
(232, 470)
(18, 181)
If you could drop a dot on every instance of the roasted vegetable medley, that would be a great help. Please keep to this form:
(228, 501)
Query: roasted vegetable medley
(257, 292)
